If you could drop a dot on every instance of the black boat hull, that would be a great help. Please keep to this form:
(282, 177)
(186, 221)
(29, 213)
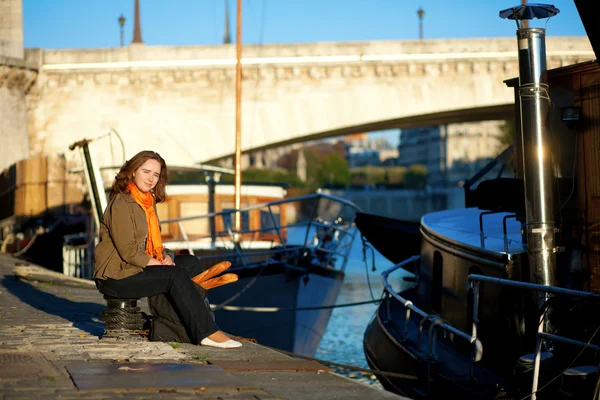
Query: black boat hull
(388, 347)
(377, 342)
(395, 239)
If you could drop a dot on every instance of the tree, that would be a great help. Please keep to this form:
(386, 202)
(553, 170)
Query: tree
(396, 174)
(313, 162)
(509, 133)
(416, 177)
(378, 175)
(333, 170)
(508, 137)
(258, 175)
(325, 164)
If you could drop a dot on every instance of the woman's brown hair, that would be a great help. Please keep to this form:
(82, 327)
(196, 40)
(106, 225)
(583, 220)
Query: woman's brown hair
(125, 175)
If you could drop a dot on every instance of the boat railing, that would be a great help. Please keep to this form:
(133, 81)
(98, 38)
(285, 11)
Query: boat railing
(435, 322)
(317, 232)
(505, 218)
(77, 255)
(474, 281)
(271, 203)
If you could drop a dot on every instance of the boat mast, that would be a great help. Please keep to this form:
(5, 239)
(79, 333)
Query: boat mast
(238, 126)
(226, 36)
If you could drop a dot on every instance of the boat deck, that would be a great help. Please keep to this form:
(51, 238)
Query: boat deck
(461, 228)
(50, 347)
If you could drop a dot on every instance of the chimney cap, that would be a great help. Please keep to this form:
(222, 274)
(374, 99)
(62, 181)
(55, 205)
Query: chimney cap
(529, 11)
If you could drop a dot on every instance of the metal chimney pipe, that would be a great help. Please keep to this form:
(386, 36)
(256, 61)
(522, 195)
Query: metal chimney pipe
(539, 202)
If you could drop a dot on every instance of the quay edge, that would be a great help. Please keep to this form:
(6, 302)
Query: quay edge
(50, 347)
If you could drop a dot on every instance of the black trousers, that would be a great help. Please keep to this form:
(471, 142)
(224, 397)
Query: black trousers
(176, 284)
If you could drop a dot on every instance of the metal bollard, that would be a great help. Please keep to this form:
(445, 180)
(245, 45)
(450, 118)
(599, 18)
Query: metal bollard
(123, 319)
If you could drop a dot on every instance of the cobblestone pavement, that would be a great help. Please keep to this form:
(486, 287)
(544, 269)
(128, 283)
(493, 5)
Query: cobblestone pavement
(51, 347)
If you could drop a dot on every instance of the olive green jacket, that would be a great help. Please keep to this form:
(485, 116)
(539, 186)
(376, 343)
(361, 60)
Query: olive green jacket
(120, 252)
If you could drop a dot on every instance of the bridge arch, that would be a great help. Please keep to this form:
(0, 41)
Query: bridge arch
(180, 101)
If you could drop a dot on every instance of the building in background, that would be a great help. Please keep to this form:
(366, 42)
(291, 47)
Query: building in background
(362, 151)
(451, 153)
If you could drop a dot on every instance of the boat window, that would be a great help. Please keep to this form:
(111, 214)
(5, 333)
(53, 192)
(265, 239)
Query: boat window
(197, 226)
(266, 218)
(162, 209)
(436, 282)
(228, 219)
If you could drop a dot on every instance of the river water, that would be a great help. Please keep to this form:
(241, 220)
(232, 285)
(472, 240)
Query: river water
(342, 342)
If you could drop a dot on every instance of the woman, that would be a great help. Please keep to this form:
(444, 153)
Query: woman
(130, 260)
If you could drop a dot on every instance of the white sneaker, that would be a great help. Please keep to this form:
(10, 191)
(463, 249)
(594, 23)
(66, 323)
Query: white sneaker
(230, 344)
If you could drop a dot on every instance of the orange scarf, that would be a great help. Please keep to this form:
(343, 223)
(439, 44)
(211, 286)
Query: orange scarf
(154, 246)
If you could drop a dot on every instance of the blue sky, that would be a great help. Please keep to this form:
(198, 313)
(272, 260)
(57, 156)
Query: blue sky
(63, 24)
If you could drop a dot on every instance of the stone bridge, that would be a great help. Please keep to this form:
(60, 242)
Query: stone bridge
(16, 79)
(180, 101)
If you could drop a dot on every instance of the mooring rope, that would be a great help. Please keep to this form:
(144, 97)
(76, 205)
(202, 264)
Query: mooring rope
(364, 252)
(24, 249)
(224, 305)
(128, 318)
(276, 309)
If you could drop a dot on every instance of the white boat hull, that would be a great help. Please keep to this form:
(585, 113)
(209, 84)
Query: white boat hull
(270, 306)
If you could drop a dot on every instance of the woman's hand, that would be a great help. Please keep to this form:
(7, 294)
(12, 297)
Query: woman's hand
(153, 261)
(167, 260)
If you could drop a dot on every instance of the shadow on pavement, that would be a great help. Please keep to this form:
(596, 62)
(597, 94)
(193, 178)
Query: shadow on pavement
(83, 315)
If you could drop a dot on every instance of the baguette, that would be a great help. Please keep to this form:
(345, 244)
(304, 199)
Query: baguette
(219, 281)
(211, 272)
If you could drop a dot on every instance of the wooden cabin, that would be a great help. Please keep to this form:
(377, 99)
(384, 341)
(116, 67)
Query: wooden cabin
(575, 141)
(185, 201)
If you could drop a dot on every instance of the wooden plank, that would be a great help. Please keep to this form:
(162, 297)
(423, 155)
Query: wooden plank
(590, 146)
(30, 199)
(62, 194)
(35, 273)
(56, 168)
(55, 195)
(32, 170)
(591, 112)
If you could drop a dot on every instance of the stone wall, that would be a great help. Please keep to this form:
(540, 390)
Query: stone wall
(11, 28)
(16, 79)
(13, 114)
(280, 53)
(404, 204)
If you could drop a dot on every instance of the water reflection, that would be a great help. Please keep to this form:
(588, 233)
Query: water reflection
(342, 342)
